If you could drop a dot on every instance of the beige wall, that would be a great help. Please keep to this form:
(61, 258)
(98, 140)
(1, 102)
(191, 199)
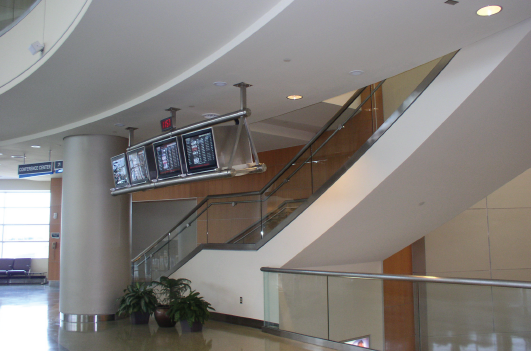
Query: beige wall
(491, 240)
(24, 184)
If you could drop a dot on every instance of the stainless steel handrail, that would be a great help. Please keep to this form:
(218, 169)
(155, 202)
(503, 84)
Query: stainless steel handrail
(408, 278)
(200, 125)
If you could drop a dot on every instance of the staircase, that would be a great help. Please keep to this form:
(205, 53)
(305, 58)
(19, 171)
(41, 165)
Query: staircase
(247, 221)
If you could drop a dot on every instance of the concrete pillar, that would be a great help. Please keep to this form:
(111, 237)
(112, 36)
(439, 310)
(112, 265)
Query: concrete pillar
(95, 254)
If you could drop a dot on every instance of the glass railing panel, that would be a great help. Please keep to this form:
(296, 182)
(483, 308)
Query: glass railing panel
(139, 271)
(234, 220)
(399, 310)
(460, 316)
(11, 10)
(396, 314)
(397, 89)
(160, 261)
(287, 193)
(336, 146)
(271, 300)
(356, 311)
(296, 293)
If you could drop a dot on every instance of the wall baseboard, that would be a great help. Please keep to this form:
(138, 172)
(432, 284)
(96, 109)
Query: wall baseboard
(243, 321)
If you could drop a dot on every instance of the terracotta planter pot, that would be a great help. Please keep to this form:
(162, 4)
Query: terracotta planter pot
(196, 327)
(162, 318)
(140, 318)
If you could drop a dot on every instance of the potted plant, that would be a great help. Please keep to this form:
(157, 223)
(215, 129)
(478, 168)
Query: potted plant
(139, 301)
(168, 290)
(192, 311)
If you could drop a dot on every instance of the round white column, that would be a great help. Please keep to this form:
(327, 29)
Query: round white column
(95, 253)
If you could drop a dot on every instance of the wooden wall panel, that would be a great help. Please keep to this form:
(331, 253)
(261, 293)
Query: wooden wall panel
(54, 255)
(399, 308)
(274, 160)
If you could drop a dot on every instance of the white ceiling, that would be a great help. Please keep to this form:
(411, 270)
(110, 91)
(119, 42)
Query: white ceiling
(128, 61)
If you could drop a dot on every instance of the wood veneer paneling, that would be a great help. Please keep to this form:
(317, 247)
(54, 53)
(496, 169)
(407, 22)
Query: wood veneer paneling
(274, 160)
(54, 256)
(399, 311)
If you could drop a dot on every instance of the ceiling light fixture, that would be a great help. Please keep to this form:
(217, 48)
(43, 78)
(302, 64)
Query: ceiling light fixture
(489, 10)
(1, 154)
(220, 84)
(36, 146)
(17, 156)
(210, 115)
(294, 97)
(356, 72)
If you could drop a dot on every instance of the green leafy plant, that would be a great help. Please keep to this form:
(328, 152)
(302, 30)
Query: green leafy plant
(138, 297)
(192, 308)
(169, 289)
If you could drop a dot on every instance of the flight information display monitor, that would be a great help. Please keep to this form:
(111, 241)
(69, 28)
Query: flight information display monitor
(119, 171)
(167, 158)
(138, 166)
(200, 151)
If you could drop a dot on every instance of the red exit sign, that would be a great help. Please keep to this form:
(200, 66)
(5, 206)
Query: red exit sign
(166, 124)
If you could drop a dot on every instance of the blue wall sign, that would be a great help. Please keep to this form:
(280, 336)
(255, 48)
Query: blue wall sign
(35, 169)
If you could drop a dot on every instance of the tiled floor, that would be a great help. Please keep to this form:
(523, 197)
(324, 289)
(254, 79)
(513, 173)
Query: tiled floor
(29, 321)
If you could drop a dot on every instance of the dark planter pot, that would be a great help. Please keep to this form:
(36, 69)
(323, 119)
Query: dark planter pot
(196, 327)
(163, 320)
(140, 317)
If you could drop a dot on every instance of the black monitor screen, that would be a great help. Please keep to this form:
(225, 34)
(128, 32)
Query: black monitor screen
(200, 151)
(138, 166)
(119, 171)
(167, 158)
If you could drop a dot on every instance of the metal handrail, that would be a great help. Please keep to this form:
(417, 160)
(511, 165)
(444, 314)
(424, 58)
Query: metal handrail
(407, 278)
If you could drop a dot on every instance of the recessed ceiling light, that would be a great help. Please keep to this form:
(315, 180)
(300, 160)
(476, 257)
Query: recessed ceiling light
(36, 146)
(210, 115)
(17, 156)
(119, 125)
(356, 72)
(489, 10)
(294, 97)
(220, 84)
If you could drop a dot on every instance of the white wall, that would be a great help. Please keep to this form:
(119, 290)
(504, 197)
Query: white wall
(225, 276)
(39, 265)
(23, 184)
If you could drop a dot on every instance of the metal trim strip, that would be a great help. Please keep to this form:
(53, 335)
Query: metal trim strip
(312, 340)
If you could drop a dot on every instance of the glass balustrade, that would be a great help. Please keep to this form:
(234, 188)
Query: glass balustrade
(250, 218)
(11, 10)
(385, 314)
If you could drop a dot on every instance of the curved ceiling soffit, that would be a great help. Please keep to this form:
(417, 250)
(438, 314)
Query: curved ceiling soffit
(253, 28)
(49, 51)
